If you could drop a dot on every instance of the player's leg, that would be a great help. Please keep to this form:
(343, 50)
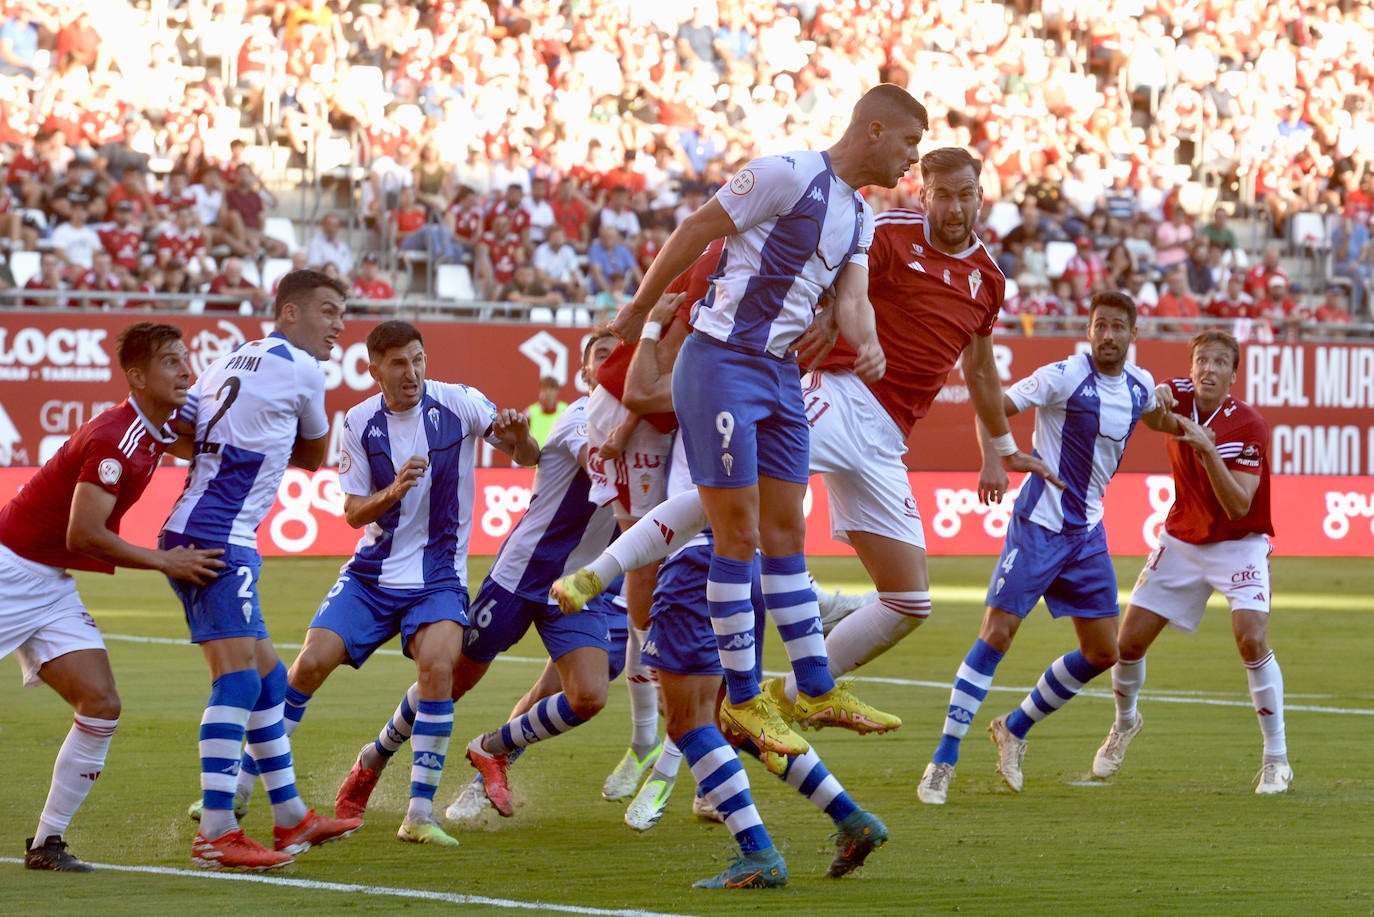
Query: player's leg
(1251, 629)
(434, 646)
(83, 679)
(626, 642)
(1139, 629)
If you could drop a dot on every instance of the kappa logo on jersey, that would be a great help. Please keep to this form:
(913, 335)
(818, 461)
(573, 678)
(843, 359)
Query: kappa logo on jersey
(376, 431)
(739, 642)
(109, 471)
(815, 195)
(975, 282)
(743, 182)
(1089, 391)
(946, 277)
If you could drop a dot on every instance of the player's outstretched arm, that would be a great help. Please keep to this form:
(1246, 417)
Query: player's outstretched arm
(89, 533)
(512, 429)
(649, 380)
(820, 336)
(854, 316)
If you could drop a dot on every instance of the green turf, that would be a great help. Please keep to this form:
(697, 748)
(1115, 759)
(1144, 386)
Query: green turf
(1178, 832)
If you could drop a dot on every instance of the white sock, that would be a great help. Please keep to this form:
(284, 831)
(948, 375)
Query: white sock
(1266, 690)
(870, 631)
(79, 762)
(1128, 677)
(669, 760)
(665, 528)
(643, 690)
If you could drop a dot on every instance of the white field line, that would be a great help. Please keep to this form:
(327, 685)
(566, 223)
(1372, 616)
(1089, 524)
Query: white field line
(1166, 697)
(379, 890)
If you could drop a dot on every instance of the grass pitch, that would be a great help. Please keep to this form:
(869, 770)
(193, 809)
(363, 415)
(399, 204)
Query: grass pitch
(1179, 831)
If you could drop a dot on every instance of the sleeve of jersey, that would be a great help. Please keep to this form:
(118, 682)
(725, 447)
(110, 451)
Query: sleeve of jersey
(860, 256)
(355, 472)
(569, 434)
(103, 465)
(477, 411)
(314, 419)
(762, 190)
(188, 411)
(1047, 385)
(1248, 450)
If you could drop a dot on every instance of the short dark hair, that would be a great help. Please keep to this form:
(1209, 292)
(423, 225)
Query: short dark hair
(1114, 299)
(389, 335)
(1216, 336)
(949, 159)
(597, 335)
(887, 100)
(139, 343)
(294, 284)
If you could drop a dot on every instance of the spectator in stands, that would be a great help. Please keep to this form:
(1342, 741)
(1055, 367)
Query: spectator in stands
(370, 284)
(540, 209)
(76, 240)
(328, 246)
(546, 410)
(209, 197)
(242, 217)
(610, 255)
(556, 264)
(1219, 230)
(572, 211)
(184, 241)
(1201, 279)
(498, 252)
(619, 214)
(1177, 302)
(123, 239)
(1120, 263)
(230, 281)
(525, 287)
(1140, 242)
(173, 196)
(101, 278)
(175, 280)
(1172, 238)
(119, 155)
(1086, 271)
(1280, 310)
(1259, 277)
(49, 277)
(1231, 300)
(1352, 257)
(1332, 311)
(616, 294)
(512, 206)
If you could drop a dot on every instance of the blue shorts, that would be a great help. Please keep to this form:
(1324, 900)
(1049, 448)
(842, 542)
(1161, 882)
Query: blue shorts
(366, 615)
(228, 606)
(611, 605)
(741, 415)
(1073, 572)
(500, 618)
(681, 640)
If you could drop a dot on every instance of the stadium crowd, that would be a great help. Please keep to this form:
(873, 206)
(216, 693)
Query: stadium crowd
(1118, 144)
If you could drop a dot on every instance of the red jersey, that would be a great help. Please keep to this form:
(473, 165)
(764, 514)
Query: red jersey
(1257, 279)
(572, 216)
(117, 451)
(377, 289)
(25, 165)
(928, 306)
(1242, 439)
(1093, 270)
(694, 282)
(467, 223)
(1223, 306)
(124, 245)
(502, 253)
(409, 219)
(89, 281)
(36, 283)
(120, 193)
(173, 244)
(519, 216)
(171, 203)
(1171, 306)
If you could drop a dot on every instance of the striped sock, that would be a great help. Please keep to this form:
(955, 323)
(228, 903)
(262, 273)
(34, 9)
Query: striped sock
(791, 603)
(808, 775)
(722, 780)
(291, 718)
(79, 762)
(970, 688)
(729, 590)
(1266, 690)
(269, 746)
(1060, 684)
(397, 730)
(429, 745)
(547, 718)
(232, 698)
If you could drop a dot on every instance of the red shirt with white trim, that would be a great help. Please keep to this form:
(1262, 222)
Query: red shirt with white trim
(928, 307)
(1242, 439)
(117, 450)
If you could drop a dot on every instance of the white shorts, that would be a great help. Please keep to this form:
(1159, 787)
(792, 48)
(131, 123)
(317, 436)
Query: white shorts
(1179, 577)
(637, 481)
(858, 448)
(41, 615)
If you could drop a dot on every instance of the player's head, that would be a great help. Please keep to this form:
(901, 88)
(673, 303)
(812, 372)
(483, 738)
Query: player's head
(886, 129)
(309, 310)
(548, 393)
(598, 347)
(1111, 329)
(396, 359)
(1213, 364)
(952, 196)
(154, 361)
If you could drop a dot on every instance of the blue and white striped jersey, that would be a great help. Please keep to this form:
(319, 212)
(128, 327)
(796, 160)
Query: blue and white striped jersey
(247, 408)
(1082, 422)
(563, 529)
(797, 224)
(422, 541)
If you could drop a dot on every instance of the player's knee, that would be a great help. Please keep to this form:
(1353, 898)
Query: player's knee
(1101, 657)
(104, 705)
(1252, 647)
(586, 701)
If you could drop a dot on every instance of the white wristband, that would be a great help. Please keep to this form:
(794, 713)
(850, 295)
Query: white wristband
(652, 331)
(1005, 445)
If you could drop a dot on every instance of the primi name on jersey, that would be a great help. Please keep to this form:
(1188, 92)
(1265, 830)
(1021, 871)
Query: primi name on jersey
(242, 362)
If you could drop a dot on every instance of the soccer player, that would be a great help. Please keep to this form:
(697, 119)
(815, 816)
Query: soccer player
(1055, 547)
(561, 530)
(936, 293)
(67, 517)
(795, 225)
(406, 471)
(252, 413)
(1215, 538)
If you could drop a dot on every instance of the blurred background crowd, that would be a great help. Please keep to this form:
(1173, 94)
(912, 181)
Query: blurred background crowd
(1209, 156)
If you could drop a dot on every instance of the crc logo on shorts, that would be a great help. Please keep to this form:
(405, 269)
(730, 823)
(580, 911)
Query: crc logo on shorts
(109, 471)
(743, 182)
(1248, 575)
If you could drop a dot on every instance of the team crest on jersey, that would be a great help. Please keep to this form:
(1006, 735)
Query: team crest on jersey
(345, 462)
(1250, 455)
(433, 415)
(727, 461)
(946, 276)
(645, 482)
(918, 249)
(109, 471)
(743, 182)
(975, 283)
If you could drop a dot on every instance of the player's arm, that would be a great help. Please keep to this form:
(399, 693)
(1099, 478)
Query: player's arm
(1235, 490)
(649, 380)
(184, 447)
(88, 532)
(510, 432)
(1001, 455)
(708, 223)
(309, 453)
(1163, 419)
(856, 321)
(362, 510)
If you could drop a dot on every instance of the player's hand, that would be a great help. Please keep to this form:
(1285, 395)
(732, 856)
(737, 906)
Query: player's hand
(198, 565)
(1195, 435)
(992, 483)
(870, 362)
(627, 323)
(511, 426)
(666, 307)
(1164, 394)
(409, 475)
(1023, 461)
(818, 339)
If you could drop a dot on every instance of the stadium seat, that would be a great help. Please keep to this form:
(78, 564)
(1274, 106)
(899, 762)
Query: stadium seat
(1057, 256)
(272, 270)
(24, 265)
(283, 230)
(251, 274)
(453, 282)
(1003, 217)
(541, 315)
